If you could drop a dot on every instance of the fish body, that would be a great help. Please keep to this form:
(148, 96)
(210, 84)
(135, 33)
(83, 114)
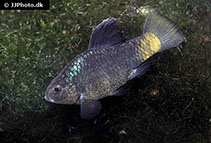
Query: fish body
(110, 62)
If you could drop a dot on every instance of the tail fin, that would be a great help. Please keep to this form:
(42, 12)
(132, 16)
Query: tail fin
(165, 29)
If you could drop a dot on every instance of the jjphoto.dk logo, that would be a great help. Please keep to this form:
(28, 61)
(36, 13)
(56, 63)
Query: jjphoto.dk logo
(22, 5)
(25, 5)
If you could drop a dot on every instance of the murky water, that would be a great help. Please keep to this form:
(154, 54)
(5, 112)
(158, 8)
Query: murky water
(170, 103)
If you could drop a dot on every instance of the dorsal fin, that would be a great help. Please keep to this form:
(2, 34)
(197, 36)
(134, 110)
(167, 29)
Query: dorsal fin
(106, 34)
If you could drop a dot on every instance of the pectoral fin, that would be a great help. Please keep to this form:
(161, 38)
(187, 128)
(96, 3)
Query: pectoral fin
(89, 108)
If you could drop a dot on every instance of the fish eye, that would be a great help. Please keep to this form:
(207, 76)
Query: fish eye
(57, 88)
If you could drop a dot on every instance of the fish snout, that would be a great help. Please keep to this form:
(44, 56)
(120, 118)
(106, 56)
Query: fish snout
(46, 98)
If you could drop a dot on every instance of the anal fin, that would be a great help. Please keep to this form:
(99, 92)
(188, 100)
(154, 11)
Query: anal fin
(140, 70)
(120, 91)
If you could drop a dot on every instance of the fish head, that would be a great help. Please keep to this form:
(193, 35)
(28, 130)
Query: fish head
(59, 93)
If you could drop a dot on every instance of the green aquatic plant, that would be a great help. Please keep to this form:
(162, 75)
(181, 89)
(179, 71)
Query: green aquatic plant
(36, 45)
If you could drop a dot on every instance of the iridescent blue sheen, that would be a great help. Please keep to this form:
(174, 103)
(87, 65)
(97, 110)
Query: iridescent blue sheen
(75, 67)
(75, 73)
(79, 67)
(80, 60)
(72, 69)
(70, 78)
(67, 73)
(82, 64)
(71, 74)
(67, 80)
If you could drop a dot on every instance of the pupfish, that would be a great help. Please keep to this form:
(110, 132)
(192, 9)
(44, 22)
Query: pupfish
(111, 61)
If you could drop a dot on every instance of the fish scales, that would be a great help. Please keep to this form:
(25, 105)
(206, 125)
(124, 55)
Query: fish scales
(110, 62)
(107, 69)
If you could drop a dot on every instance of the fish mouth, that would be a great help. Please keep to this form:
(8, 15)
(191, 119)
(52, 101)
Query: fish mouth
(46, 98)
(49, 99)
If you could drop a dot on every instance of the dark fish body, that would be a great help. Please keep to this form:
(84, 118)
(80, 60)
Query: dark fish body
(99, 72)
(110, 62)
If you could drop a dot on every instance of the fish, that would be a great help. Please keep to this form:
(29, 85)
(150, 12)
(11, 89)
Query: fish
(110, 61)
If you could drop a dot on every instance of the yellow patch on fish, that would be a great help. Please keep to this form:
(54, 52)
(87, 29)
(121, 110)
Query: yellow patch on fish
(72, 91)
(149, 45)
(101, 86)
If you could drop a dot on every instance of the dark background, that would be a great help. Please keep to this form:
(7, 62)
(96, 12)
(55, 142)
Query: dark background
(169, 104)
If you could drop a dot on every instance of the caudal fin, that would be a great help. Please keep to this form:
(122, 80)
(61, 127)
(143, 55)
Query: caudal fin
(165, 29)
